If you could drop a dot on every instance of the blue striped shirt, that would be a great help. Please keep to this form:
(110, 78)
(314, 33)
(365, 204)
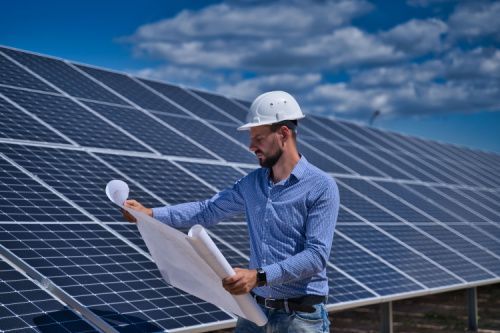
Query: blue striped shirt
(291, 225)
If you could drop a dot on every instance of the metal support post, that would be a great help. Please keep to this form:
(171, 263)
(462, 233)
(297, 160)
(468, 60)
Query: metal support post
(386, 318)
(472, 309)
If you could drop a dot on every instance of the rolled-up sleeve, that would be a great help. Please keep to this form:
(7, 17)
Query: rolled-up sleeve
(207, 212)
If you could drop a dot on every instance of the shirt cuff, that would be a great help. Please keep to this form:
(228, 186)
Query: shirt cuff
(161, 213)
(273, 274)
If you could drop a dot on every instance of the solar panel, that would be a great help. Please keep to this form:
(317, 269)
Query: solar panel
(161, 177)
(225, 104)
(369, 270)
(460, 244)
(19, 125)
(76, 175)
(414, 264)
(338, 154)
(382, 198)
(189, 102)
(153, 133)
(343, 289)
(212, 139)
(106, 275)
(446, 257)
(219, 176)
(64, 77)
(71, 119)
(25, 307)
(129, 89)
(13, 75)
(416, 216)
(24, 199)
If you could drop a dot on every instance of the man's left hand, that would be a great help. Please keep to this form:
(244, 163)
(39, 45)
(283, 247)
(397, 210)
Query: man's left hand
(242, 282)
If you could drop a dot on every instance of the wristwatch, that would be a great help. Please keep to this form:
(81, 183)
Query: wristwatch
(261, 277)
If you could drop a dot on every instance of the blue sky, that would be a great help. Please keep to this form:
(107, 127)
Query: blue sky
(432, 67)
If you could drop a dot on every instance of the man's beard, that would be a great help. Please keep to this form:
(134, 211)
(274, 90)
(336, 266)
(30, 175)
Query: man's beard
(270, 161)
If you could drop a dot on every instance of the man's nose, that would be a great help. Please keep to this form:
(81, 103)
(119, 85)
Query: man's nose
(252, 146)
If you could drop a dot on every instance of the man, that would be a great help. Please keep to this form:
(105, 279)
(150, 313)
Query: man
(291, 209)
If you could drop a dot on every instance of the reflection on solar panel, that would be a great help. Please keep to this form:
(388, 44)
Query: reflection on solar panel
(26, 307)
(416, 216)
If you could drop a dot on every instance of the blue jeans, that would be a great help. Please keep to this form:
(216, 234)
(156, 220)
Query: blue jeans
(281, 321)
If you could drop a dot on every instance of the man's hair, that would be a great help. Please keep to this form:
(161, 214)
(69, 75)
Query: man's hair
(291, 124)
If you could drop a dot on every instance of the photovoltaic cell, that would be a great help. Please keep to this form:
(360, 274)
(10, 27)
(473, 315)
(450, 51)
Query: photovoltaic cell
(337, 154)
(407, 261)
(373, 138)
(219, 176)
(484, 197)
(107, 276)
(160, 177)
(186, 100)
(241, 136)
(381, 165)
(346, 217)
(76, 175)
(478, 236)
(363, 207)
(211, 139)
(343, 289)
(406, 212)
(447, 203)
(18, 125)
(422, 203)
(131, 90)
(455, 194)
(463, 246)
(369, 270)
(312, 128)
(24, 199)
(233, 234)
(149, 131)
(13, 75)
(328, 165)
(225, 104)
(392, 159)
(64, 77)
(71, 119)
(447, 258)
(350, 137)
(24, 307)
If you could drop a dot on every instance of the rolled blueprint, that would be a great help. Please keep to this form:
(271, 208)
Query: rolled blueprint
(192, 262)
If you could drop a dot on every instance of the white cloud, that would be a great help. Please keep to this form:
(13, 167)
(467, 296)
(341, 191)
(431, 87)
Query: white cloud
(473, 19)
(244, 48)
(427, 3)
(416, 37)
(250, 88)
(274, 36)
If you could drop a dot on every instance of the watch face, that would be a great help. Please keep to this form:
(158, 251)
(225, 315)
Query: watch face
(261, 277)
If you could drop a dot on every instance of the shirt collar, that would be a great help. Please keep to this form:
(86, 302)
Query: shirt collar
(297, 171)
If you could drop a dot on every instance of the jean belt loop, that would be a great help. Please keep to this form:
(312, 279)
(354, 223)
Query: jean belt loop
(285, 302)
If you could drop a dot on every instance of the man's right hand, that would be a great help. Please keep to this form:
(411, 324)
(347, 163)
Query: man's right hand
(135, 205)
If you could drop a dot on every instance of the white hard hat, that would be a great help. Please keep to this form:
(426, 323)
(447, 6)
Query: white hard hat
(272, 107)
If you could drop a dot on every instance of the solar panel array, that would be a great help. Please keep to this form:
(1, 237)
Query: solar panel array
(416, 216)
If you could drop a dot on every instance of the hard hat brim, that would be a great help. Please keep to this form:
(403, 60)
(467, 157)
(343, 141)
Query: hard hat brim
(247, 126)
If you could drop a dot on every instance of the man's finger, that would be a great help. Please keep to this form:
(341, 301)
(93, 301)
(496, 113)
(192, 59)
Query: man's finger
(129, 217)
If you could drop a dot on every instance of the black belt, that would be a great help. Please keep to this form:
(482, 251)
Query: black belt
(303, 304)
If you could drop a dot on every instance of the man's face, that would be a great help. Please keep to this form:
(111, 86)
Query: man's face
(266, 145)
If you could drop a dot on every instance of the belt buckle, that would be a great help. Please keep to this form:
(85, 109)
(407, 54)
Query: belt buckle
(265, 302)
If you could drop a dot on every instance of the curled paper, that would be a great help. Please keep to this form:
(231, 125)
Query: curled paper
(117, 191)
